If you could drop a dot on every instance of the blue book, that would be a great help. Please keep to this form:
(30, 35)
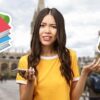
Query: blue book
(4, 39)
(5, 46)
(4, 34)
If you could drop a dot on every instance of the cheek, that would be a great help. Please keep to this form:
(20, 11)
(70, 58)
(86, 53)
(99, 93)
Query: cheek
(55, 33)
(54, 37)
(39, 31)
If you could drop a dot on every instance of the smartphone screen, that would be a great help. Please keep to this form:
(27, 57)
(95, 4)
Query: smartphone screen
(22, 71)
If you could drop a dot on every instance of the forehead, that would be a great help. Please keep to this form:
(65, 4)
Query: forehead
(48, 19)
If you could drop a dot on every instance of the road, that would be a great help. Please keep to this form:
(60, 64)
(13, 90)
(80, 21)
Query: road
(9, 90)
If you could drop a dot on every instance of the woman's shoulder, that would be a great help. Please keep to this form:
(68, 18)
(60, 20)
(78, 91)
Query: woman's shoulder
(73, 55)
(23, 58)
(23, 62)
(72, 51)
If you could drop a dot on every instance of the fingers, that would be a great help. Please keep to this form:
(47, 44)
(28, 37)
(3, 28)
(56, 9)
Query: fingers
(28, 74)
(96, 66)
(92, 67)
(91, 64)
(31, 74)
(22, 72)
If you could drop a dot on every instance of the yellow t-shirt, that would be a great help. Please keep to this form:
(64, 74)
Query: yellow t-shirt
(51, 84)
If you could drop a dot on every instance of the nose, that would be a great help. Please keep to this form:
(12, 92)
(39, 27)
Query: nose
(47, 29)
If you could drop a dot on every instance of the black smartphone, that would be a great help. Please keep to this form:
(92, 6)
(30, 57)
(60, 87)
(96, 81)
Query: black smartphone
(22, 71)
(98, 49)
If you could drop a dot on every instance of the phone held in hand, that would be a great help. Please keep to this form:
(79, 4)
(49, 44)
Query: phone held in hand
(98, 49)
(22, 71)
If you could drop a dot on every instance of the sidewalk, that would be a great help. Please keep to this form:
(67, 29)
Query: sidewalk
(9, 90)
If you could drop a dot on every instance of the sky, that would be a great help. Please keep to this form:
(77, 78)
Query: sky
(82, 23)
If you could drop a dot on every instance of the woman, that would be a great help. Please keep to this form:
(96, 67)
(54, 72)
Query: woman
(51, 68)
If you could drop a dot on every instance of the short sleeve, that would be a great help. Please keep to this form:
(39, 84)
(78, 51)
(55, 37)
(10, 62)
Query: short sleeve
(74, 66)
(22, 64)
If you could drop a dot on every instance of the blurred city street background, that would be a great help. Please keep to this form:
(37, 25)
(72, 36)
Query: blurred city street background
(82, 23)
(9, 90)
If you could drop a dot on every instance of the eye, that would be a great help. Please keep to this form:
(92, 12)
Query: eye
(42, 25)
(54, 26)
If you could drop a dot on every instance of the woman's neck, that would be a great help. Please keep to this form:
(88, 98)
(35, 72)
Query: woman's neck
(48, 51)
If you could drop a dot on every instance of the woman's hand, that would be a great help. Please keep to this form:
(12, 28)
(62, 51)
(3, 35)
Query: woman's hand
(92, 67)
(79, 86)
(27, 90)
(28, 74)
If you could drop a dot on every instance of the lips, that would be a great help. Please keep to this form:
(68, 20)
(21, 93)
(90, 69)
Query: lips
(46, 38)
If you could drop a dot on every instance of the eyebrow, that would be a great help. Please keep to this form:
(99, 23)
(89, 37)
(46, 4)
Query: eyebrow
(45, 23)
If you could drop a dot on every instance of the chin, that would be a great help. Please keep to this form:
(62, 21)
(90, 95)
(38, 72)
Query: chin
(46, 44)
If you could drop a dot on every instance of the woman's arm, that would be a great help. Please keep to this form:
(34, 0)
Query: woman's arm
(78, 87)
(26, 91)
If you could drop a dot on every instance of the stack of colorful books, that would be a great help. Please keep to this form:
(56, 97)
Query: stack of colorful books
(4, 35)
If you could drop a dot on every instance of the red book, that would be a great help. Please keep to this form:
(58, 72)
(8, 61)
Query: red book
(4, 27)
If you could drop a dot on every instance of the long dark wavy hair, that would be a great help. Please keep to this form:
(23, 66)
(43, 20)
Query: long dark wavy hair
(59, 44)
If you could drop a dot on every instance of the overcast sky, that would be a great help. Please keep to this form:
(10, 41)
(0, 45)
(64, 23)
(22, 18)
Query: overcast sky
(82, 20)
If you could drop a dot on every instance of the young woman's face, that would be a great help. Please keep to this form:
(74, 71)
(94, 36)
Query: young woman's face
(48, 30)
